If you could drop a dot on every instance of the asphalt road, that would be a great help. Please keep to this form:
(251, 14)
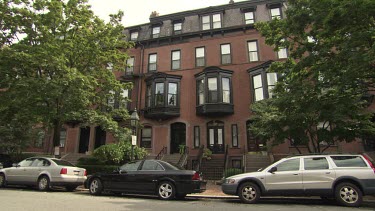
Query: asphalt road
(29, 199)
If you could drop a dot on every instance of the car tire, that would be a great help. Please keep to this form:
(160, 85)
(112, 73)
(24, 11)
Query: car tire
(2, 181)
(180, 196)
(166, 190)
(96, 186)
(70, 188)
(43, 183)
(249, 193)
(348, 194)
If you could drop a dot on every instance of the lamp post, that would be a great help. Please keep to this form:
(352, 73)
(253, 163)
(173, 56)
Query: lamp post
(134, 118)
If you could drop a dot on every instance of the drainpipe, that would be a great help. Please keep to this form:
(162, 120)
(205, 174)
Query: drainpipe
(139, 89)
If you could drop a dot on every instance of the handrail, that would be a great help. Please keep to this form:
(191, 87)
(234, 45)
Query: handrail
(226, 159)
(199, 158)
(161, 153)
(183, 157)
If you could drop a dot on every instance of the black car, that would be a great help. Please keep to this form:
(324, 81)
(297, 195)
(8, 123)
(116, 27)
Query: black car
(148, 177)
(5, 161)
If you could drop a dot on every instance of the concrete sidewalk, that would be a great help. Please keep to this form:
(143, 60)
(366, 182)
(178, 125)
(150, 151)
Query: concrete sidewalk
(213, 190)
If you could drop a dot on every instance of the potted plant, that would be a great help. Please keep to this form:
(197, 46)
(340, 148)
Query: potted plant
(207, 153)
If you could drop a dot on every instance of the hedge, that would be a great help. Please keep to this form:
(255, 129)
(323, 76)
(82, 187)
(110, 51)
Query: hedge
(91, 169)
(231, 172)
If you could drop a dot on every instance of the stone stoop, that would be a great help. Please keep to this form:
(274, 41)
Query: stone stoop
(256, 161)
(212, 169)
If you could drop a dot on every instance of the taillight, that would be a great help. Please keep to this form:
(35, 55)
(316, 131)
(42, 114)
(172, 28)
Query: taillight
(369, 162)
(196, 176)
(64, 171)
(85, 173)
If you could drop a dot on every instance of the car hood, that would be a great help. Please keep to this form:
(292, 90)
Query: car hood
(247, 175)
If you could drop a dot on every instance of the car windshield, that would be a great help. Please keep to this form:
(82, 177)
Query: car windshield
(62, 162)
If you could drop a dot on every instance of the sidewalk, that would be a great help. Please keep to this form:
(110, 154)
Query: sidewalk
(212, 191)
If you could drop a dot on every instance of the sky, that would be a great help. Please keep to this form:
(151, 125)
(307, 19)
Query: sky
(138, 11)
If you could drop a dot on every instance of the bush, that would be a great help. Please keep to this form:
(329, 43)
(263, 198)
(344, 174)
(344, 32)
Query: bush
(118, 153)
(89, 161)
(231, 172)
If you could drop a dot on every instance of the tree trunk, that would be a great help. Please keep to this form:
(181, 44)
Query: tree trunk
(56, 132)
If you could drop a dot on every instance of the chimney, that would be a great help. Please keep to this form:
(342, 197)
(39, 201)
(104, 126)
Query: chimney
(154, 14)
(231, 2)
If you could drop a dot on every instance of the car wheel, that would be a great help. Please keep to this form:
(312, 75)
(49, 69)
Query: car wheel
(96, 187)
(180, 196)
(249, 193)
(43, 183)
(348, 194)
(71, 188)
(2, 180)
(166, 190)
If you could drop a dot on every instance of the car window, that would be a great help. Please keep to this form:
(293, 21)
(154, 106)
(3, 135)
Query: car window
(150, 165)
(62, 162)
(289, 165)
(132, 166)
(348, 161)
(168, 166)
(40, 162)
(316, 163)
(26, 163)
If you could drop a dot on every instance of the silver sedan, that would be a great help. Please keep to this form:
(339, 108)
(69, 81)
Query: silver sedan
(43, 173)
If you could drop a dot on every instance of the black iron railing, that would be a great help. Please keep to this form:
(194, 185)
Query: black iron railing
(161, 153)
(199, 158)
(184, 156)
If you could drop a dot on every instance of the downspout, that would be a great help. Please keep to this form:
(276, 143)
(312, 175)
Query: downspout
(139, 89)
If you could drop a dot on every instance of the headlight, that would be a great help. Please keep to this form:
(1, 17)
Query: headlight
(230, 181)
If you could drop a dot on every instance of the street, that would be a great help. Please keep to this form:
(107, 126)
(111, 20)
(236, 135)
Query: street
(30, 199)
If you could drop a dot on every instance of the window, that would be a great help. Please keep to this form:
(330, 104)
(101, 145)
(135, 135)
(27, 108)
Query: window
(289, 165)
(111, 99)
(176, 60)
(110, 66)
(236, 163)
(172, 94)
(253, 51)
(199, 57)
(275, 13)
(26, 162)
(249, 18)
(155, 31)
(129, 66)
(159, 94)
(146, 137)
(152, 61)
(148, 97)
(124, 98)
(211, 21)
(316, 163)
(234, 136)
(262, 82)
(62, 137)
(214, 86)
(225, 54)
(348, 161)
(40, 162)
(282, 53)
(131, 166)
(177, 28)
(134, 36)
(118, 100)
(196, 136)
(150, 165)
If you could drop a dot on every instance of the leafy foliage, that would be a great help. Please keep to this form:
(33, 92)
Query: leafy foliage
(231, 172)
(320, 95)
(55, 60)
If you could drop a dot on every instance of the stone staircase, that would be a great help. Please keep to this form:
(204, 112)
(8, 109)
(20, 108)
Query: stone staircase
(172, 158)
(212, 169)
(73, 157)
(256, 161)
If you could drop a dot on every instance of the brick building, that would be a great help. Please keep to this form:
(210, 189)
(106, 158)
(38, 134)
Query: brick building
(195, 75)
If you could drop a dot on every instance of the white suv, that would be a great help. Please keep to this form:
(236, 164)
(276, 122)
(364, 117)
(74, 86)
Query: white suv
(344, 177)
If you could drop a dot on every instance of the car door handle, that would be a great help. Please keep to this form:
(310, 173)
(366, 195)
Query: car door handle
(328, 172)
(296, 174)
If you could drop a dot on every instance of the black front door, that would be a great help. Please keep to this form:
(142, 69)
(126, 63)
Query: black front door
(84, 140)
(100, 137)
(215, 142)
(178, 136)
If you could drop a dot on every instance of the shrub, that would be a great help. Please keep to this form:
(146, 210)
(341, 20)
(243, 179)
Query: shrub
(89, 161)
(118, 153)
(91, 169)
(231, 172)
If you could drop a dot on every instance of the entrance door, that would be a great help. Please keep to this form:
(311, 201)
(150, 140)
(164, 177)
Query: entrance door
(178, 136)
(215, 137)
(84, 140)
(252, 141)
(100, 137)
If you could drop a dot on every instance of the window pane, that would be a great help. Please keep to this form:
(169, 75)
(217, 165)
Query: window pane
(253, 51)
(216, 17)
(275, 13)
(172, 94)
(234, 136)
(271, 78)
(132, 166)
(316, 163)
(206, 19)
(225, 49)
(212, 90)
(175, 55)
(148, 96)
(211, 136)
(196, 136)
(282, 53)
(206, 22)
(226, 90)
(152, 58)
(159, 94)
(289, 165)
(259, 94)
(177, 26)
(252, 46)
(253, 56)
(226, 59)
(155, 31)
(220, 136)
(199, 52)
(130, 65)
(216, 21)
(249, 17)
(201, 91)
(257, 81)
(146, 133)
(134, 36)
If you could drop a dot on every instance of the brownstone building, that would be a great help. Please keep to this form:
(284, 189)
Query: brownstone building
(195, 75)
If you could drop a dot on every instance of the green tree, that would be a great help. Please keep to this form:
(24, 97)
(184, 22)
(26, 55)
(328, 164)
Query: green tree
(322, 87)
(56, 62)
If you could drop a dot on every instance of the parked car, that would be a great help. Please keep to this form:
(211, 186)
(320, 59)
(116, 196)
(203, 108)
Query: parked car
(347, 178)
(43, 173)
(5, 161)
(154, 177)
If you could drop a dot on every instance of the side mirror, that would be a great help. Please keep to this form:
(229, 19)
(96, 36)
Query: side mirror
(272, 170)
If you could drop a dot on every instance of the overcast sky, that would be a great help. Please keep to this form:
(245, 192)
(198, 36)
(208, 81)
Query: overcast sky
(138, 11)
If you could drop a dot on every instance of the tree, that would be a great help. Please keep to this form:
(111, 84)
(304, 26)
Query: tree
(322, 87)
(56, 62)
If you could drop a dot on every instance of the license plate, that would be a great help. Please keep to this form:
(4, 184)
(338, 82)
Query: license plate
(76, 173)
